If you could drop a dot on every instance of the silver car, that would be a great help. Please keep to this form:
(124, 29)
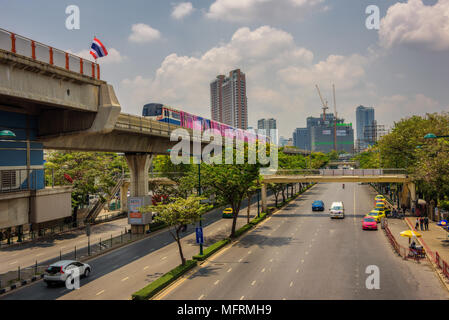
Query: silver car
(59, 271)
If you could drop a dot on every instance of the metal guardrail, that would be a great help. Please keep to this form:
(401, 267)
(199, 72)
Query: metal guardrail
(339, 172)
(13, 180)
(136, 123)
(14, 43)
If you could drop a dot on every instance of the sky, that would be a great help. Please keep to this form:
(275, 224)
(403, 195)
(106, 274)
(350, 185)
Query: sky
(170, 51)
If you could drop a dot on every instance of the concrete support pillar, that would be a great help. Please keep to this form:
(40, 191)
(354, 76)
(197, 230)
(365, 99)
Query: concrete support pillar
(124, 196)
(412, 189)
(139, 164)
(264, 198)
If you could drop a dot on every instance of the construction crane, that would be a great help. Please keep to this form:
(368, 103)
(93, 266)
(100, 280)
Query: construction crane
(324, 103)
(335, 119)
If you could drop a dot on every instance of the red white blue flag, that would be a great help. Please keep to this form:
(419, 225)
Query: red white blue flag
(98, 50)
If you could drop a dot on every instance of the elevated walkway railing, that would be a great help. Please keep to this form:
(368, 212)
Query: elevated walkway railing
(15, 43)
(99, 204)
(338, 172)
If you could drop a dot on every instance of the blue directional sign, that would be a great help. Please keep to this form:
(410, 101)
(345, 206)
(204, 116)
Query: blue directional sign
(199, 235)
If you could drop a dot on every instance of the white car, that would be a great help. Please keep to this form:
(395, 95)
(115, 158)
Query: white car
(59, 271)
(337, 210)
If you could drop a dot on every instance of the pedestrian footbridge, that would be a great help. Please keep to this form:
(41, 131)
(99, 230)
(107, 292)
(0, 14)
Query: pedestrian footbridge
(338, 175)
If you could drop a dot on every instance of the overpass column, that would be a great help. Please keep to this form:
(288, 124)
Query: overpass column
(412, 189)
(124, 196)
(264, 198)
(139, 164)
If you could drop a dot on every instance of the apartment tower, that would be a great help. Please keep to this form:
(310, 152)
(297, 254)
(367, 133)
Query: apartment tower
(229, 103)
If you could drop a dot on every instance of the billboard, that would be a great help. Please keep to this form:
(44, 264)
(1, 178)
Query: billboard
(326, 132)
(134, 214)
(341, 133)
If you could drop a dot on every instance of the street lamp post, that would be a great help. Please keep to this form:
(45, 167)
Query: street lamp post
(199, 193)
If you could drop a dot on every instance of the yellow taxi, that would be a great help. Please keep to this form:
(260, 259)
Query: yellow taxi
(377, 214)
(227, 213)
(379, 197)
(379, 206)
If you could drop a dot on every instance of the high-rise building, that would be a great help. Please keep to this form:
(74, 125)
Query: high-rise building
(229, 103)
(301, 138)
(364, 118)
(319, 135)
(267, 125)
(216, 98)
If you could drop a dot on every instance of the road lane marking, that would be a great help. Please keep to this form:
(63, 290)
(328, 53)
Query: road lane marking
(310, 246)
(242, 297)
(263, 270)
(124, 279)
(201, 297)
(146, 268)
(240, 260)
(216, 282)
(230, 269)
(291, 284)
(307, 252)
(271, 260)
(269, 234)
(249, 252)
(297, 270)
(164, 258)
(37, 255)
(253, 283)
(302, 260)
(100, 292)
(13, 262)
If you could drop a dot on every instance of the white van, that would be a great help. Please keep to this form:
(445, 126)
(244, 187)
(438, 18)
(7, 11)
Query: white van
(337, 210)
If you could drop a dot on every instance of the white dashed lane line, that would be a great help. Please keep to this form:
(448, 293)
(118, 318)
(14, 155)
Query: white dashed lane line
(201, 297)
(100, 292)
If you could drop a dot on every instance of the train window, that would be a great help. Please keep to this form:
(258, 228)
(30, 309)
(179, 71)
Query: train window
(176, 116)
(152, 109)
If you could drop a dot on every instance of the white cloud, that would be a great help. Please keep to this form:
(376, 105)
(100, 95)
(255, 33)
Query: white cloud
(142, 33)
(114, 56)
(182, 10)
(262, 10)
(183, 81)
(414, 23)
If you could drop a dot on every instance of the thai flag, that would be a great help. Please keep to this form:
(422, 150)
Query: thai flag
(98, 50)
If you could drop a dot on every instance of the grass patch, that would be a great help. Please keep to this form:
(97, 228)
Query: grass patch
(256, 220)
(212, 249)
(242, 230)
(159, 284)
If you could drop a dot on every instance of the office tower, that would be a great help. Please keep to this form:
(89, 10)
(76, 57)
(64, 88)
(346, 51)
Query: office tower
(301, 138)
(229, 103)
(267, 125)
(364, 118)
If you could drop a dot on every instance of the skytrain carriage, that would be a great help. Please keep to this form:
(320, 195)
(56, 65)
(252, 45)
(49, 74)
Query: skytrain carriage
(163, 113)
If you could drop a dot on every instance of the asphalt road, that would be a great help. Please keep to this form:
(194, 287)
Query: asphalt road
(300, 254)
(118, 274)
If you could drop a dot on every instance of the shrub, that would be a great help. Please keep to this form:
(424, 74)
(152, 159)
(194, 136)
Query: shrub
(212, 249)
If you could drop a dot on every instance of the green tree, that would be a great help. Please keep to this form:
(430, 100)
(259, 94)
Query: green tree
(178, 213)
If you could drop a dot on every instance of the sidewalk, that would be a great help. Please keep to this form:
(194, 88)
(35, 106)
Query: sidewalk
(434, 240)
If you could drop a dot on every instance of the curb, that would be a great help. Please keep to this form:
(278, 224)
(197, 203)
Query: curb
(20, 283)
(441, 276)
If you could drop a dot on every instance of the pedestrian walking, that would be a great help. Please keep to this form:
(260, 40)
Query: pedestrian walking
(421, 223)
(417, 224)
(426, 223)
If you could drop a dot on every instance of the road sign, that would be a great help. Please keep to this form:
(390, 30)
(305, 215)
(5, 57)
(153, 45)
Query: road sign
(199, 235)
